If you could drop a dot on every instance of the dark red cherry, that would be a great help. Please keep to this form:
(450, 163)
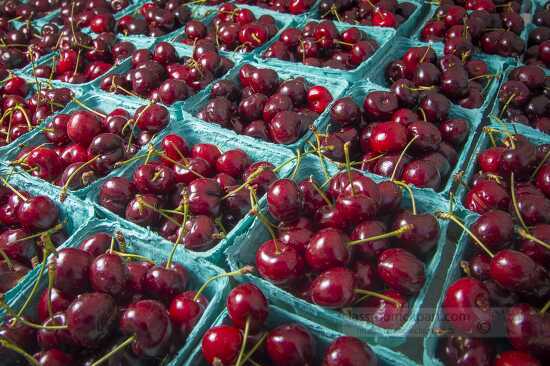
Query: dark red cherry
(279, 264)
(72, 271)
(246, 303)
(290, 344)
(221, 344)
(284, 200)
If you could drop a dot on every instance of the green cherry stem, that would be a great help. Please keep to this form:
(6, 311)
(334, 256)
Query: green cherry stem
(15, 348)
(114, 351)
(453, 218)
(239, 272)
(515, 202)
(395, 233)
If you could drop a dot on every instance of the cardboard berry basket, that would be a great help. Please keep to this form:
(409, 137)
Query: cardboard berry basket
(334, 85)
(243, 247)
(33, 88)
(126, 65)
(358, 93)
(102, 103)
(143, 244)
(483, 142)
(73, 215)
(401, 45)
(404, 29)
(383, 36)
(323, 338)
(194, 133)
(496, 111)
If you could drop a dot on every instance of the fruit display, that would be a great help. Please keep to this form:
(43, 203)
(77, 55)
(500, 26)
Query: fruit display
(26, 106)
(323, 45)
(393, 134)
(274, 182)
(88, 142)
(376, 13)
(163, 76)
(523, 97)
(257, 102)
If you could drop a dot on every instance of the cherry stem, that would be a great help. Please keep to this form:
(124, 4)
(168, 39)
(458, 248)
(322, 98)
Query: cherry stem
(114, 351)
(409, 189)
(21, 319)
(484, 76)
(51, 280)
(348, 166)
(50, 231)
(545, 308)
(15, 348)
(298, 163)
(251, 177)
(35, 286)
(12, 188)
(243, 344)
(82, 105)
(132, 256)
(506, 104)
(465, 266)
(321, 156)
(112, 245)
(515, 202)
(7, 259)
(543, 161)
(254, 348)
(391, 234)
(425, 54)
(182, 231)
(268, 227)
(175, 147)
(526, 235)
(142, 202)
(239, 272)
(451, 217)
(401, 157)
(424, 118)
(489, 132)
(378, 295)
(320, 191)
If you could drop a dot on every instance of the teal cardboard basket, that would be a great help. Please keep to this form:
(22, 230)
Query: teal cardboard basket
(401, 45)
(464, 248)
(336, 87)
(243, 247)
(383, 36)
(140, 243)
(104, 103)
(73, 214)
(323, 338)
(195, 133)
(361, 89)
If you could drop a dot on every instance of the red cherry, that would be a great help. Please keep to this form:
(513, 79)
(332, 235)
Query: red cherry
(318, 98)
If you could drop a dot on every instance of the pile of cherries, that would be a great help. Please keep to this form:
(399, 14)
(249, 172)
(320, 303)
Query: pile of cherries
(505, 289)
(22, 110)
(26, 10)
(30, 228)
(351, 245)
(163, 76)
(383, 13)
(263, 106)
(191, 195)
(290, 344)
(233, 29)
(321, 45)
(461, 79)
(286, 6)
(477, 24)
(81, 64)
(155, 19)
(105, 305)
(525, 97)
(396, 137)
(492, 186)
(86, 144)
(538, 44)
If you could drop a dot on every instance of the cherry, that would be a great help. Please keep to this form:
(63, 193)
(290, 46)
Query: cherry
(333, 288)
(389, 311)
(514, 270)
(423, 235)
(494, 228)
(82, 127)
(72, 270)
(90, 318)
(510, 358)
(164, 283)
(109, 274)
(221, 344)
(115, 194)
(350, 351)
(279, 265)
(58, 300)
(14, 243)
(459, 350)
(284, 200)
(327, 248)
(96, 244)
(401, 270)
(247, 304)
(290, 344)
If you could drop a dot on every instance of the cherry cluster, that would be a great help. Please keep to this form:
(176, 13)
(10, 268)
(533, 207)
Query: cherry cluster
(82, 64)
(22, 109)
(283, 6)
(321, 45)
(30, 228)
(26, 10)
(334, 249)
(505, 283)
(233, 29)
(104, 304)
(155, 19)
(477, 23)
(191, 195)
(287, 344)
(513, 177)
(19, 46)
(538, 50)
(389, 137)
(381, 13)
(86, 144)
(96, 14)
(161, 75)
(263, 106)
(524, 98)
(461, 79)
